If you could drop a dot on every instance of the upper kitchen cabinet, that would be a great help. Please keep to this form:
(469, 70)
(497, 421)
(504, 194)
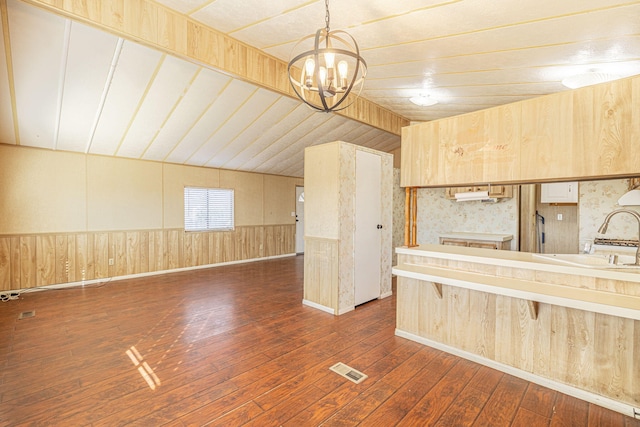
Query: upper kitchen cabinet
(559, 192)
(579, 134)
(479, 147)
(585, 133)
(419, 155)
(460, 140)
(605, 113)
(547, 137)
(502, 152)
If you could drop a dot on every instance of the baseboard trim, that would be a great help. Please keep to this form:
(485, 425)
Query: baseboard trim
(345, 310)
(596, 399)
(318, 306)
(151, 273)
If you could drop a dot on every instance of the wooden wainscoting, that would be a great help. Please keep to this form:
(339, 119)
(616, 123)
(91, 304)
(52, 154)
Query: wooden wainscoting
(28, 261)
(321, 272)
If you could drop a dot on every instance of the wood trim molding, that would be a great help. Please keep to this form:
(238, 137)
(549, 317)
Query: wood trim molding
(169, 31)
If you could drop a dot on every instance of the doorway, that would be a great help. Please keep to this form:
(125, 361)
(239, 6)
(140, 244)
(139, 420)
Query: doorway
(299, 220)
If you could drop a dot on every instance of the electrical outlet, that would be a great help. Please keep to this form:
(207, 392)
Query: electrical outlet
(559, 217)
(110, 261)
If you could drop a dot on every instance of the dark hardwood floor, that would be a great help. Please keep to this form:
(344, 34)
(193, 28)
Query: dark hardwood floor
(233, 345)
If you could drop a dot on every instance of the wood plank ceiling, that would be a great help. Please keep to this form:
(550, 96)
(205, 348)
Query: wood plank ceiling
(68, 86)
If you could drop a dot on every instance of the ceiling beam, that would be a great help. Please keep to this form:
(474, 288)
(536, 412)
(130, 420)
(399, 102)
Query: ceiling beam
(159, 27)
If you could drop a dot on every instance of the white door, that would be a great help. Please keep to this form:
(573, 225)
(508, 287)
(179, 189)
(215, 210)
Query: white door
(299, 220)
(367, 227)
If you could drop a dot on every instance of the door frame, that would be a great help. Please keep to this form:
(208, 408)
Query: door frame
(299, 233)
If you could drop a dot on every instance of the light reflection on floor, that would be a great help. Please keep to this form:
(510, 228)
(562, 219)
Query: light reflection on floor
(206, 323)
(143, 367)
(204, 319)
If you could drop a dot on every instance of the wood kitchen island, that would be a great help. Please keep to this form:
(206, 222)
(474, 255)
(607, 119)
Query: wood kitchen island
(571, 328)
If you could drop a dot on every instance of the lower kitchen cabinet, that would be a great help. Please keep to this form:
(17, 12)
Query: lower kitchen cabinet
(478, 240)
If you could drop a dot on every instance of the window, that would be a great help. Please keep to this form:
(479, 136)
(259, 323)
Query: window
(208, 209)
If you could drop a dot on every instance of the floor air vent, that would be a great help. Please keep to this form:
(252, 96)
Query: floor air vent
(27, 314)
(348, 372)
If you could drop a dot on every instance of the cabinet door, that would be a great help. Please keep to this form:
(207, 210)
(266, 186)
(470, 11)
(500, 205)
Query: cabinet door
(419, 155)
(501, 152)
(547, 137)
(461, 141)
(483, 245)
(453, 242)
(603, 130)
(500, 191)
(559, 192)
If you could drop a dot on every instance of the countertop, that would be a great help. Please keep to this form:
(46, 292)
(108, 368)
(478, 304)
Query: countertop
(525, 260)
(477, 236)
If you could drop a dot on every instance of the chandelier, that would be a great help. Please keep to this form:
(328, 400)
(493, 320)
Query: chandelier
(324, 76)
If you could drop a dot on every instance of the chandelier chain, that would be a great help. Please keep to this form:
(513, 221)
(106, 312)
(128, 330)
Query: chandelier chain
(326, 18)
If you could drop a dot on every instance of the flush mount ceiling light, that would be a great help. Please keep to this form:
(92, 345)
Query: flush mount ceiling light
(423, 101)
(329, 71)
(588, 79)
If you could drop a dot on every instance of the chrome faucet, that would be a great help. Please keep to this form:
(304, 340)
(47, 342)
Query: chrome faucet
(636, 215)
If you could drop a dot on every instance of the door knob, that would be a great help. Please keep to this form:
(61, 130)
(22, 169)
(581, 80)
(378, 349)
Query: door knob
(379, 226)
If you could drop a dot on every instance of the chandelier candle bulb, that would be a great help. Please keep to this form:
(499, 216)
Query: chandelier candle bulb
(310, 67)
(329, 60)
(343, 70)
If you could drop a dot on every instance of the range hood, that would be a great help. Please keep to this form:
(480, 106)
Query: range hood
(470, 196)
(630, 198)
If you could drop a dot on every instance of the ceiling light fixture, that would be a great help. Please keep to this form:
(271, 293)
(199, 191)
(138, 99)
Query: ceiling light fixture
(588, 79)
(324, 76)
(423, 100)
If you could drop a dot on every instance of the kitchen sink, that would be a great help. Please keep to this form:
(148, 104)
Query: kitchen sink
(589, 260)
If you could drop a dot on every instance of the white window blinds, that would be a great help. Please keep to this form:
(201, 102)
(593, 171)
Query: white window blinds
(208, 209)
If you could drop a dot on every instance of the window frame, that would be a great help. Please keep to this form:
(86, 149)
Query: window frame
(208, 196)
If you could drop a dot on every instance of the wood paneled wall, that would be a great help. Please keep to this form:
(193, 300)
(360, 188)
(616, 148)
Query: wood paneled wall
(63, 216)
(28, 261)
(321, 271)
(596, 352)
(591, 351)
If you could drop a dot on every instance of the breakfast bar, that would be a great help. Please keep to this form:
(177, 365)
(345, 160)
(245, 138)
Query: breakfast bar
(565, 325)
